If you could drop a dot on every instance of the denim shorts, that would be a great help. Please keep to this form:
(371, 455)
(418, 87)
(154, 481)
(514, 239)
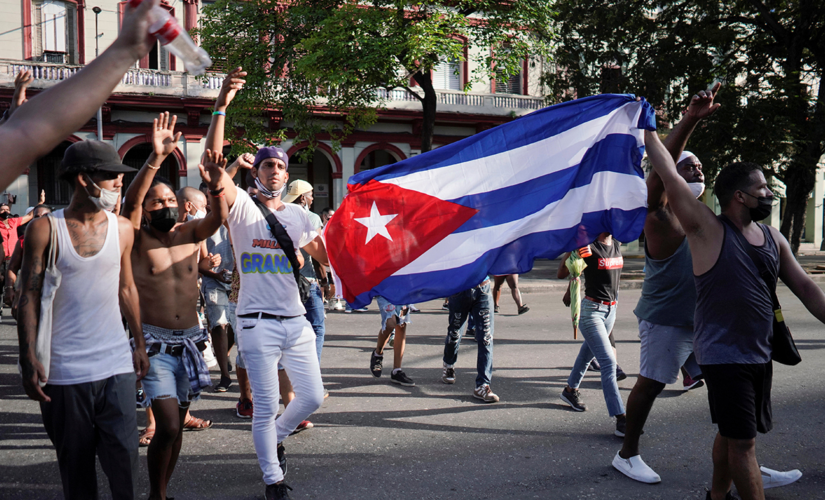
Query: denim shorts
(388, 310)
(664, 350)
(167, 378)
(218, 310)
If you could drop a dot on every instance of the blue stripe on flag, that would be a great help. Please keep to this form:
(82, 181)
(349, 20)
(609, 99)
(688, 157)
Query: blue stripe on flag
(527, 129)
(615, 153)
(515, 257)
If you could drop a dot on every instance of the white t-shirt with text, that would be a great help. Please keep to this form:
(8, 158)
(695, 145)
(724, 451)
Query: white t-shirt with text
(267, 282)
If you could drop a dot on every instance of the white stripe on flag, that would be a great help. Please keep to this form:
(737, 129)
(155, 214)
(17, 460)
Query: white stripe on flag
(607, 190)
(519, 165)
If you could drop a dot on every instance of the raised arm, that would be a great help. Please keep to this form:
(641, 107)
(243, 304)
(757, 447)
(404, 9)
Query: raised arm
(128, 297)
(693, 215)
(40, 125)
(21, 83)
(32, 272)
(212, 173)
(214, 137)
(243, 162)
(164, 141)
(701, 106)
(792, 274)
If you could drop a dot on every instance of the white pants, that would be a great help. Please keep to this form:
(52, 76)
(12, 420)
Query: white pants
(263, 343)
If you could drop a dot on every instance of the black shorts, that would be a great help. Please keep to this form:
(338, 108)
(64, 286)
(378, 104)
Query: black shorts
(740, 398)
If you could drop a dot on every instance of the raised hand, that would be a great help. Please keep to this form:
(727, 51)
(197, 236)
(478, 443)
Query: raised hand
(21, 83)
(212, 168)
(231, 85)
(246, 161)
(164, 138)
(134, 32)
(702, 105)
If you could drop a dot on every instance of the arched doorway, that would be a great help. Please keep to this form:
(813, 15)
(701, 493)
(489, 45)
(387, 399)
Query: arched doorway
(136, 157)
(317, 170)
(378, 155)
(58, 192)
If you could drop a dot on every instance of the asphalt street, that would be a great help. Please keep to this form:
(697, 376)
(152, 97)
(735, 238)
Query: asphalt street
(376, 440)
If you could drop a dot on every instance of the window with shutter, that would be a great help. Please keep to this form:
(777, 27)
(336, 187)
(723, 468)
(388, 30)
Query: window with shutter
(447, 75)
(510, 86)
(54, 33)
(53, 27)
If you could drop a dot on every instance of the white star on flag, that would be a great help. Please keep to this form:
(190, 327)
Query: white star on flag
(376, 224)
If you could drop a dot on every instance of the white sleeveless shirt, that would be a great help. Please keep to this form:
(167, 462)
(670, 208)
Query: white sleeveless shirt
(88, 339)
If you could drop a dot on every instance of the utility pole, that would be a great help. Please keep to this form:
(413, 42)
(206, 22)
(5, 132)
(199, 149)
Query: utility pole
(97, 11)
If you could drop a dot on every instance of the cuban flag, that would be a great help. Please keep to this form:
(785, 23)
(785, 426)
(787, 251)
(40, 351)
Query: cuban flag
(546, 183)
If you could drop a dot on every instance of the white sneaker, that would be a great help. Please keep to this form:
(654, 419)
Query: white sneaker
(636, 468)
(774, 478)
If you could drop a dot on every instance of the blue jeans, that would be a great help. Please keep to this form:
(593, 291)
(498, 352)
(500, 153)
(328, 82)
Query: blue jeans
(477, 303)
(315, 315)
(595, 324)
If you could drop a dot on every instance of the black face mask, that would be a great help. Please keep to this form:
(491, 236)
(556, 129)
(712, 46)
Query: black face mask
(164, 219)
(4, 215)
(764, 204)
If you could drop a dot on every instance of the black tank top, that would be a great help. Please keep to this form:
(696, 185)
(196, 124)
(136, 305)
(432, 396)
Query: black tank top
(734, 308)
(603, 271)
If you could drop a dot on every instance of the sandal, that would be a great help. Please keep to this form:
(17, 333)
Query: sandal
(196, 424)
(145, 436)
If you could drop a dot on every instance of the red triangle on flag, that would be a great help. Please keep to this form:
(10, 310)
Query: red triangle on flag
(357, 235)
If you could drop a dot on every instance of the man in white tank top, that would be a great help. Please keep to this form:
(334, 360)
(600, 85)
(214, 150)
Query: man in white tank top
(88, 401)
(165, 262)
(271, 323)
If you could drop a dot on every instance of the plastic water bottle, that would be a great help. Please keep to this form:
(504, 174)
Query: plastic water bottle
(170, 33)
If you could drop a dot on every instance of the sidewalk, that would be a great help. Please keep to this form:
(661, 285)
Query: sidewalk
(542, 277)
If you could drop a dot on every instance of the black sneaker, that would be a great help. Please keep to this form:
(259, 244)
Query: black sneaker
(621, 427)
(729, 496)
(400, 377)
(573, 399)
(376, 364)
(277, 491)
(594, 366)
(496, 309)
(223, 385)
(620, 374)
(523, 309)
(282, 458)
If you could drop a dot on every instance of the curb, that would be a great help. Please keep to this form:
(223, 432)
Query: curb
(539, 286)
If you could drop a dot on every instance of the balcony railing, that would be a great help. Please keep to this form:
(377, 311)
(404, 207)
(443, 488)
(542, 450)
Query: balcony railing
(179, 84)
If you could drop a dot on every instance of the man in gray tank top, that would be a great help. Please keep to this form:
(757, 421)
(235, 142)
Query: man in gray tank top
(665, 309)
(733, 330)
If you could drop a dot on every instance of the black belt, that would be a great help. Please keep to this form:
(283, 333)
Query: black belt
(174, 349)
(263, 315)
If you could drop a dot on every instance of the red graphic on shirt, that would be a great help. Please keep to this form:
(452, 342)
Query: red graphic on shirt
(271, 244)
(357, 239)
(611, 263)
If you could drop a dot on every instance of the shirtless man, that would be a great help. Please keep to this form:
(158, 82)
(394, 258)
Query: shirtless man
(164, 259)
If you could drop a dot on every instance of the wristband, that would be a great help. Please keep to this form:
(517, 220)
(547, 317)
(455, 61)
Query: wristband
(216, 192)
(221, 195)
(222, 113)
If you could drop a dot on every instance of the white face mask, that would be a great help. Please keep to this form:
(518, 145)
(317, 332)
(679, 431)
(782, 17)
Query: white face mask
(107, 199)
(697, 188)
(200, 214)
(266, 192)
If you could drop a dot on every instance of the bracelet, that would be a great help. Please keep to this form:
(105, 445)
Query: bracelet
(216, 192)
(222, 113)
(221, 195)
(153, 168)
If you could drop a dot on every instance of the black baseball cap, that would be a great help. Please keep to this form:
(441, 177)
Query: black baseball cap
(87, 157)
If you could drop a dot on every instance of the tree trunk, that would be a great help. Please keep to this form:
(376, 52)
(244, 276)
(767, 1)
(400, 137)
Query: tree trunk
(800, 179)
(429, 105)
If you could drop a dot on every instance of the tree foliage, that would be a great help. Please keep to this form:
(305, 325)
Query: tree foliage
(326, 65)
(768, 54)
